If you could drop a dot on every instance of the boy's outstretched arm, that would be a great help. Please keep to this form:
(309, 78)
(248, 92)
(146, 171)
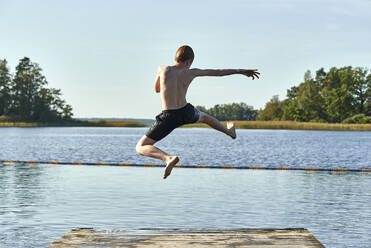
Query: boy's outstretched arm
(225, 72)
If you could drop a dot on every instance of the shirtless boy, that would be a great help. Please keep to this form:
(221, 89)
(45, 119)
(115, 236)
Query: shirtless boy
(172, 83)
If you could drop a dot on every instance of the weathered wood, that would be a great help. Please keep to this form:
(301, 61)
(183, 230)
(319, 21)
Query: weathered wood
(151, 238)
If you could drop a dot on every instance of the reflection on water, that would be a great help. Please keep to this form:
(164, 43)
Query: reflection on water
(21, 193)
(39, 203)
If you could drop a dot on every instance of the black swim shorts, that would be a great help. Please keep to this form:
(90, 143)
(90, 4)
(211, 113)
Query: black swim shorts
(170, 119)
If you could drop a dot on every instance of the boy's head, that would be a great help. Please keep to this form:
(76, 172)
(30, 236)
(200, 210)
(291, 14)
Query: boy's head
(185, 55)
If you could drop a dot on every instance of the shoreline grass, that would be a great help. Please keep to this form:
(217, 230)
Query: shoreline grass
(285, 125)
(292, 125)
(74, 124)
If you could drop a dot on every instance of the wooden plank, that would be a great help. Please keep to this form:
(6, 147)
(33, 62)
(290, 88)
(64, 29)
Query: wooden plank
(154, 238)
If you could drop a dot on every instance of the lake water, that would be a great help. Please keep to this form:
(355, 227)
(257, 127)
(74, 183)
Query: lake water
(39, 203)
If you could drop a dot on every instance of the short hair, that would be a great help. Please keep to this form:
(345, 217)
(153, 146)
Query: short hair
(184, 53)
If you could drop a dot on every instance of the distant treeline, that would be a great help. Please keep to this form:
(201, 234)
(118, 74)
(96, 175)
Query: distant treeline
(25, 97)
(235, 111)
(339, 95)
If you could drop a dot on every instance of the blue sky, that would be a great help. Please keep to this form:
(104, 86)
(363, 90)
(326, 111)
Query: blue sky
(104, 54)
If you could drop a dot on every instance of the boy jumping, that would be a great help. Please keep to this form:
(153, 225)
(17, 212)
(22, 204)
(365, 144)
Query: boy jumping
(172, 83)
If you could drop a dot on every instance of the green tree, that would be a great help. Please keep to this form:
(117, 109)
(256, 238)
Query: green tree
(310, 102)
(233, 111)
(320, 75)
(337, 94)
(202, 108)
(360, 90)
(5, 84)
(304, 103)
(359, 119)
(27, 83)
(272, 111)
(32, 101)
(292, 93)
(332, 97)
(51, 107)
(368, 96)
(291, 111)
(239, 111)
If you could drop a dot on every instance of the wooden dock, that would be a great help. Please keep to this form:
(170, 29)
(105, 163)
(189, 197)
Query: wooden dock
(151, 238)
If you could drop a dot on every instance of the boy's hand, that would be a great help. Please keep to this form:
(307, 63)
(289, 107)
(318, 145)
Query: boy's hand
(251, 73)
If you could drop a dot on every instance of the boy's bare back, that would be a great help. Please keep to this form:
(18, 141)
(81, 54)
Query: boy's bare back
(173, 85)
(172, 82)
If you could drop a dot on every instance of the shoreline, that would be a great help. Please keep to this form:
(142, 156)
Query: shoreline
(75, 124)
(292, 125)
(274, 125)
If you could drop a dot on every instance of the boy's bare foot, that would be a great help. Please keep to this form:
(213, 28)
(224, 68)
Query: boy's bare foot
(232, 130)
(169, 165)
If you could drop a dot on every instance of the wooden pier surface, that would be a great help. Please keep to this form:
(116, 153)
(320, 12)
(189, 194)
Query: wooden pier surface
(151, 238)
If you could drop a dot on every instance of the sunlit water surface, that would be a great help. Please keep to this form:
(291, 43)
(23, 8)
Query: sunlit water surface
(39, 203)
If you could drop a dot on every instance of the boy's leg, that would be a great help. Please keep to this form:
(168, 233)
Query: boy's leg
(145, 147)
(214, 123)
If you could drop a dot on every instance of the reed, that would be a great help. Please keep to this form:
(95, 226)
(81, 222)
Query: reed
(117, 124)
(75, 124)
(294, 125)
(18, 124)
(239, 124)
